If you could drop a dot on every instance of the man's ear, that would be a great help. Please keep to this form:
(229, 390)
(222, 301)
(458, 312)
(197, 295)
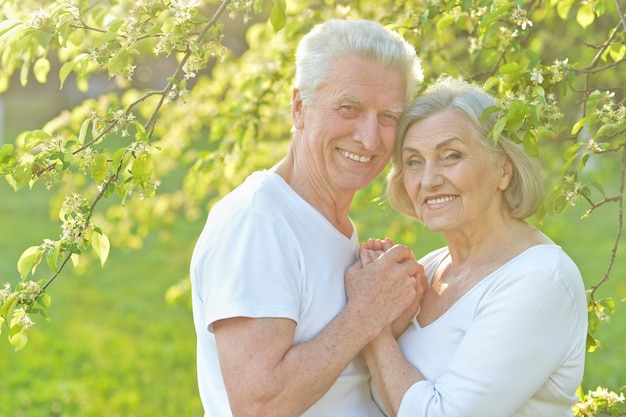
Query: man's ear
(297, 113)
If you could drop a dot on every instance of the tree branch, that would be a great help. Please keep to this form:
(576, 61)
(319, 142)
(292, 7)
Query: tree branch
(620, 223)
(149, 126)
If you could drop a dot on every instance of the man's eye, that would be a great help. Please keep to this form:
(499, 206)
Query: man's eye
(389, 119)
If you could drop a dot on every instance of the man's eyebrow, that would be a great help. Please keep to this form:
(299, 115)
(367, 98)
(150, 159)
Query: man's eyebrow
(349, 98)
(357, 100)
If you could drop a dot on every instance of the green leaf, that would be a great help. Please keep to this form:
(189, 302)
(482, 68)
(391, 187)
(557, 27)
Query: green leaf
(598, 187)
(608, 303)
(278, 17)
(99, 168)
(45, 300)
(142, 167)
(579, 125)
(121, 59)
(24, 73)
(509, 68)
(489, 111)
(585, 15)
(83, 131)
(41, 69)
(22, 175)
(563, 7)
(8, 160)
(53, 256)
(617, 52)
(9, 27)
(7, 307)
(498, 128)
(17, 337)
(141, 135)
(530, 144)
(593, 321)
(65, 70)
(29, 260)
(101, 245)
(592, 343)
(445, 21)
(516, 116)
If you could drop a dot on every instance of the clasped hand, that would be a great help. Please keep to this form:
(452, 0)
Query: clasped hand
(389, 281)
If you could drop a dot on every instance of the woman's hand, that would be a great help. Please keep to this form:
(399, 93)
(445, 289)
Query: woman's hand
(372, 249)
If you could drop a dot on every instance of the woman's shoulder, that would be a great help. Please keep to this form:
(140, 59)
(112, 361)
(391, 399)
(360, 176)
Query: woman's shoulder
(432, 260)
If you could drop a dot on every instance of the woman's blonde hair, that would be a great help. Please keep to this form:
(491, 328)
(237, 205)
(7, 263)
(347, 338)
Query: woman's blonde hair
(522, 196)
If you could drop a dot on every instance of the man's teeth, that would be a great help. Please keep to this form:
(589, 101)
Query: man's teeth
(355, 157)
(440, 200)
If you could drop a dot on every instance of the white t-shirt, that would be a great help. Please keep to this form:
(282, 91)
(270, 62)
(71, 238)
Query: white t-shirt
(265, 252)
(512, 346)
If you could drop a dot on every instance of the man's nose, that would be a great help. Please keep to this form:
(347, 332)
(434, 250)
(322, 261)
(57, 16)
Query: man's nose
(368, 132)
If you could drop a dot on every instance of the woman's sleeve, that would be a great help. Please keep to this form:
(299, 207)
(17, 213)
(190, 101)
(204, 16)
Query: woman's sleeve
(523, 330)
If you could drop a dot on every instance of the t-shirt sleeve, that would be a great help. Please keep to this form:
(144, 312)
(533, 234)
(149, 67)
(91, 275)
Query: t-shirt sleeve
(249, 267)
(523, 330)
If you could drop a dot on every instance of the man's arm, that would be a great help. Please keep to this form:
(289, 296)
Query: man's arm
(267, 375)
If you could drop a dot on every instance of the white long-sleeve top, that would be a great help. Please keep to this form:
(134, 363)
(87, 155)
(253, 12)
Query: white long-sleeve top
(514, 345)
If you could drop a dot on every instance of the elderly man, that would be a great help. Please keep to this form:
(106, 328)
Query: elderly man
(276, 334)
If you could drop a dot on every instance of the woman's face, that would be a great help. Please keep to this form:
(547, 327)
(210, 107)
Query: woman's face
(453, 181)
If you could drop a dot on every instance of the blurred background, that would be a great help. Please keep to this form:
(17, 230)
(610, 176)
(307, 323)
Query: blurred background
(121, 344)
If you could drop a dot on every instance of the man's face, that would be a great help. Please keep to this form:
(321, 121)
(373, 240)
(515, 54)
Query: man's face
(347, 134)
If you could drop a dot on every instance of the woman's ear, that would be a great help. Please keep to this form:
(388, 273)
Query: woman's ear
(297, 113)
(507, 173)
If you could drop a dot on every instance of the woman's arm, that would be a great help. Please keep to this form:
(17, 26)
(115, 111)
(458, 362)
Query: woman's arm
(522, 333)
(392, 374)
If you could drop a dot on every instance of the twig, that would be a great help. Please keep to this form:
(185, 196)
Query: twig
(620, 223)
(149, 126)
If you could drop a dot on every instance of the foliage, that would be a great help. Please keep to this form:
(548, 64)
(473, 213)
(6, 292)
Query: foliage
(221, 115)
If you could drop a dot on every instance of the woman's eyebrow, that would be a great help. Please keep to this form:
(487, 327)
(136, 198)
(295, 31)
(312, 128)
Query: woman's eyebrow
(438, 146)
(447, 142)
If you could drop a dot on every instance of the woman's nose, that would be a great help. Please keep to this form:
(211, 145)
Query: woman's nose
(432, 176)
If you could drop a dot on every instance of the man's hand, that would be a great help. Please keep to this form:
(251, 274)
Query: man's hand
(374, 249)
(383, 284)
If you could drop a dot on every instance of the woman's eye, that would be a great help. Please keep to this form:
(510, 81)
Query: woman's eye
(414, 161)
(452, 155)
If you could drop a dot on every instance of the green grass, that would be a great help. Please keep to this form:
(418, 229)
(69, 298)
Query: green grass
(114, 347)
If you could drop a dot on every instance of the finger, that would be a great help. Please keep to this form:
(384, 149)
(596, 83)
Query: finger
(372, 244)
(366, 256)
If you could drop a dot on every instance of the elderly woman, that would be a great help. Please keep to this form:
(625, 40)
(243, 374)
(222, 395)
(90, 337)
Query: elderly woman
(501, 328)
